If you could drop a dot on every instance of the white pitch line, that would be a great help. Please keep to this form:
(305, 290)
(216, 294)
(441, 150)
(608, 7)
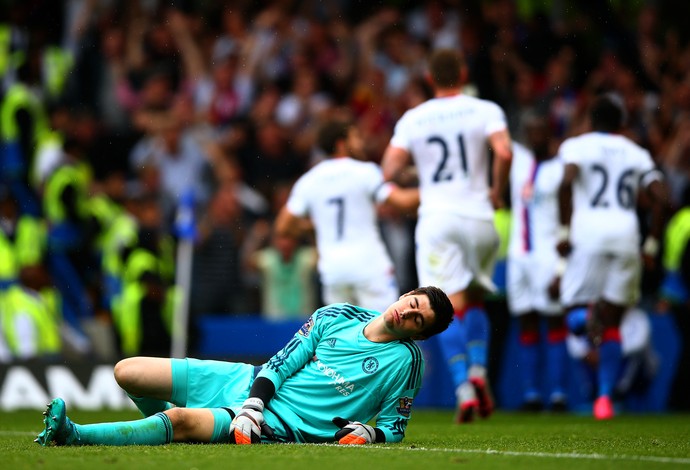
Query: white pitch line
(559, 455)
(547, 455)
(18, 433)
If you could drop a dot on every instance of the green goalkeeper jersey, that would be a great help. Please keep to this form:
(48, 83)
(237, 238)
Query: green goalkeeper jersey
(330, 369)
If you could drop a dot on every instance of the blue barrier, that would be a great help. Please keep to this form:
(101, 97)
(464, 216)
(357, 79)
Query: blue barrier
(248, 337)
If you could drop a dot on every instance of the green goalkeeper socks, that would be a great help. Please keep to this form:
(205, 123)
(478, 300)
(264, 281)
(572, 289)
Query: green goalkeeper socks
(154, 430)
(150, 406)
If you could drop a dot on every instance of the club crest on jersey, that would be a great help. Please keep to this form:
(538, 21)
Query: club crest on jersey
(405, 406)
(306, 328)
(370, 365)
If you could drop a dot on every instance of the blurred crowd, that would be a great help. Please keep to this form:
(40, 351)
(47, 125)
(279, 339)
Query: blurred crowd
(118, 116)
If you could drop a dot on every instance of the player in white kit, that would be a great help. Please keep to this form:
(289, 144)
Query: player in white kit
(456, 242)
(600, 232)
(534, 267)
(340, 196)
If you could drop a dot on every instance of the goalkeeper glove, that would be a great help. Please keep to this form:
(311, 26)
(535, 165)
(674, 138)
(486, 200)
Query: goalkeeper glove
(354, 432)
(247, 426)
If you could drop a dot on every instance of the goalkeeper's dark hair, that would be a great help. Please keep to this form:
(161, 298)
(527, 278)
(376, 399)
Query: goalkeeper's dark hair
(330, 133)
(443, 310)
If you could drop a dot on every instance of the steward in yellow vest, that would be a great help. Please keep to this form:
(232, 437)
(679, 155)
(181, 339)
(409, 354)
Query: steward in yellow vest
(143, 311)
(676, 240)
(29, 326)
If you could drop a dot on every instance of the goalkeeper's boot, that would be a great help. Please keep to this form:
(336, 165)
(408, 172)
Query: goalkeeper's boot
(59, 429)
(483, 392)
(468, 405)
(603, 408)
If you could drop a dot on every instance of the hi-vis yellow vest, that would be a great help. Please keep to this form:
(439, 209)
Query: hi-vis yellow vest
(676, 238)
(19, 96)
(63, 177)
(26, 249)
(127, 310)
(17, 301)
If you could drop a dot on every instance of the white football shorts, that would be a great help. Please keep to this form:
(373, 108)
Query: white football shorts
(528, 279)
(452, 251)
(595, 275)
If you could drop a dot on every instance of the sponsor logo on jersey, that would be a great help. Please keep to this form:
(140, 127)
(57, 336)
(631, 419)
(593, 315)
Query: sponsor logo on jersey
(341, 384)
(331, 342)
(306, 328)
(405, 406)
(370, 365)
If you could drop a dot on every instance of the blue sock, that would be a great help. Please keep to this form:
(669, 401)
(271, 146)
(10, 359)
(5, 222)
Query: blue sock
(477, 331)
(576, 320)
(610, 358)
(150, 406)
(154, 430)
(529, 357)
(556, 362)
(452, 343)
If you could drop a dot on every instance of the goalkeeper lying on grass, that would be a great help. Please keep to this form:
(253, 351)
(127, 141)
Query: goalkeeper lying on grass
(344, 367)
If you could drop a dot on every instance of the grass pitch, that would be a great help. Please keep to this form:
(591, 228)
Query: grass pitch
(505, 441)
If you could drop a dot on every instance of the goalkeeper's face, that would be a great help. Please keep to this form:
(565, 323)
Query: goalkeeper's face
(409, 317)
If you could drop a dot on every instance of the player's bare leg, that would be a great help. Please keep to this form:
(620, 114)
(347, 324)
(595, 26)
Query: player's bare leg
(147, 381)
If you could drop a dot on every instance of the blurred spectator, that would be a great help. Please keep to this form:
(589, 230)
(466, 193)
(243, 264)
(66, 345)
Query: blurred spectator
(180, 162)
(217, 270)
(673, 290)
(70, 235)
(288, 274)
(120, 237)
(301, 109)
(142, 311)
(269, 158)
(23, 122)
(30, 321)
(30, 330)
(221, 89)
(676, 160)
(559, 98)
(435, 22)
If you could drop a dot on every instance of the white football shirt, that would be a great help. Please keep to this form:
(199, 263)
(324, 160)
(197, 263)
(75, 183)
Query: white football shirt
(447, 138)
(612, 170)
(534, 203)
(339, 195)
